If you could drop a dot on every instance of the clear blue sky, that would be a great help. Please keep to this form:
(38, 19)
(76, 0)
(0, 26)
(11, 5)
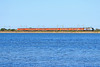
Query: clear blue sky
(49, 13)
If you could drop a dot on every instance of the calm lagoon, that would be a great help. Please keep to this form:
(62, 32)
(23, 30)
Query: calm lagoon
(49, 50)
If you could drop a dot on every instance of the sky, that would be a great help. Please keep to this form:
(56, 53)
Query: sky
(49, 13)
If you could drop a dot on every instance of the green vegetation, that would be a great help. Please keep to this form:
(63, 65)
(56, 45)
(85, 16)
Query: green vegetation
(97, 29)
(4, 29)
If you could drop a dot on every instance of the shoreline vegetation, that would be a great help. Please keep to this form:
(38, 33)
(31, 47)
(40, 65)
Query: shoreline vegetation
(4, 30)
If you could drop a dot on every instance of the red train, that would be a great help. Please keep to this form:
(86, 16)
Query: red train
(54, 29)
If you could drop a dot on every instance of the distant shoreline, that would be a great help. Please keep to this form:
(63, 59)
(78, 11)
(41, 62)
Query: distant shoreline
(49, 32)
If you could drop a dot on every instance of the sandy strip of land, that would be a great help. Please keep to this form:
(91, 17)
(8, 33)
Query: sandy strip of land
(48, 32)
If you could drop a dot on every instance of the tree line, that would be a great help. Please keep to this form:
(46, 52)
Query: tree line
(4, 29)
(97, 29)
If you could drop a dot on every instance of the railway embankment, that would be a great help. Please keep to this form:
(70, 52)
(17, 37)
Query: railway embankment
(49, 31)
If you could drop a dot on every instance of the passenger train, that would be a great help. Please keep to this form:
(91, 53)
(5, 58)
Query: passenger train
(56, 29)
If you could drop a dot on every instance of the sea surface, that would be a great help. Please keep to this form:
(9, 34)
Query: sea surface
(49, 50)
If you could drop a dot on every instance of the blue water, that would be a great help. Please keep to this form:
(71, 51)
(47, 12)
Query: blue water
(49, 50)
